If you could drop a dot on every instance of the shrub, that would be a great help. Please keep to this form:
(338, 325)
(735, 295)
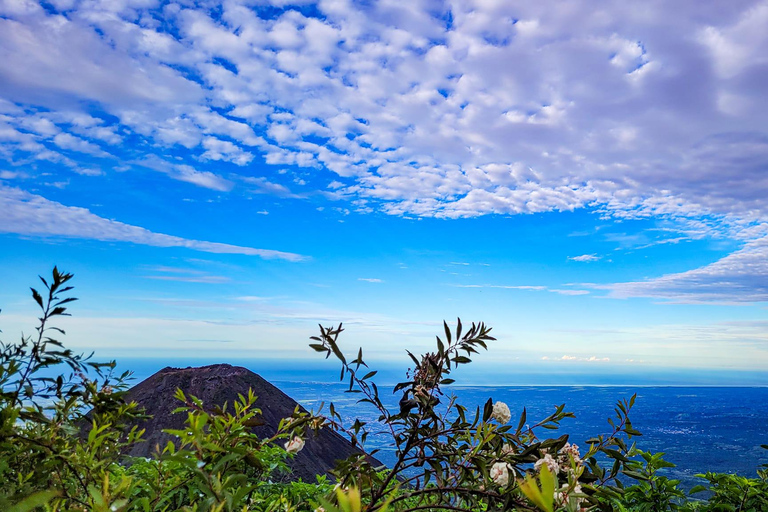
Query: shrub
(65, 421)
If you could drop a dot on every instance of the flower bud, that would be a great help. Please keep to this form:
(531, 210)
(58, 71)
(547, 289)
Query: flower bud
(294, 445)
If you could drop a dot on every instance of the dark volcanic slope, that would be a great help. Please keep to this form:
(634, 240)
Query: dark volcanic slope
(221, 383)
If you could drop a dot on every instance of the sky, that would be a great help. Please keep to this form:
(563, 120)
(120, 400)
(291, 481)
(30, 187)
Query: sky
(588, 178)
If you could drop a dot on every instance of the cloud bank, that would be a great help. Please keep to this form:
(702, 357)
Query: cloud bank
(739, 277)
(426, 108)
(28, 214)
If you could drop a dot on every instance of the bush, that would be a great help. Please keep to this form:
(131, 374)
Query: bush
(65, 422)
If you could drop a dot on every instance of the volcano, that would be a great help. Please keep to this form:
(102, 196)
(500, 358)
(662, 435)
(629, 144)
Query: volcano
(216, 385)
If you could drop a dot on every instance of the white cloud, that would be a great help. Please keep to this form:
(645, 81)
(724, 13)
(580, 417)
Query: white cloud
(72, 143)
(518, 107)
(589, 359)
(569, 292)
(187, 173)
(12, 175)
(534, 288)
(424, 119)
(370, 279)
(502, 287)
(88, 171)
(264, 186)
(217, 149)
(737, 278)
(585, 257)
(32, 215)
(192, 279)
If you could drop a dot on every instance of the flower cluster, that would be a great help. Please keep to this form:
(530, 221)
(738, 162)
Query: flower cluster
(500, 473)
(568, 459)
(570, 451)
(501, 412)
(569, 462)
(550, 462)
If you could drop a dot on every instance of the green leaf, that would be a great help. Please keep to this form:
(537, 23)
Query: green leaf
(488, 409)
(548, 484)
(337, 352)
(636, 475)
(34, 501)
(38, 298)
(544, 497)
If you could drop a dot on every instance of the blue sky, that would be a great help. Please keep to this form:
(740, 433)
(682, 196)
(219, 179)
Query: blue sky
(589, 179)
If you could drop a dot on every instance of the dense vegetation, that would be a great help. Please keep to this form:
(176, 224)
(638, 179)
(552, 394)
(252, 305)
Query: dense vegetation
(64, 422)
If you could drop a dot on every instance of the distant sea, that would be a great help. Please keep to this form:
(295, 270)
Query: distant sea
(700, 429)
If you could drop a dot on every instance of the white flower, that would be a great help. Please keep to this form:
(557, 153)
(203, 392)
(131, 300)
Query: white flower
(550, 462)
(501, 412)
(507, 449)
(500, 473)
(294, 445)
(573, 451)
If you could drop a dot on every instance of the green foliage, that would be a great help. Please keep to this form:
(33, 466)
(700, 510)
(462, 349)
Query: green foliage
(735, 493)
(44, 416)
(654, 492)
(448, 457)
(65, 423)
(62, 434)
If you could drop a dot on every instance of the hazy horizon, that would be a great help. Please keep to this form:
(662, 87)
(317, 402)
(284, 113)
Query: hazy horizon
(589, 179)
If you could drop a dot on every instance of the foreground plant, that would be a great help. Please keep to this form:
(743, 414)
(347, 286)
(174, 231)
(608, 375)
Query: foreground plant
(42, 412)
(64, 423)
(65, 420)
(450, 459)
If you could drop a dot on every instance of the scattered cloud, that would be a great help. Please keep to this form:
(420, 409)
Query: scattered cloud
(88, 171)
(398, 112)
(590, 359)
(186, 173)
(192, 279)
(569, 292)
(408, 113)
(217, 149)
(502, 287)
(264, 186)
(186, 275)
(585, 257)
(370, 279)
(535, 288)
